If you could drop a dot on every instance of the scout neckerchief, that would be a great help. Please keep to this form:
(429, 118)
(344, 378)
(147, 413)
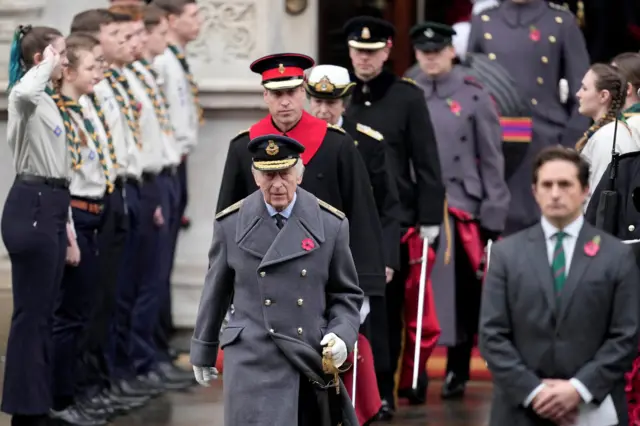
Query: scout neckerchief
(73, 140)
(194, 87)
(88, 125)
(130, 111)
(152, 93)
(633, 110)
(105, 126)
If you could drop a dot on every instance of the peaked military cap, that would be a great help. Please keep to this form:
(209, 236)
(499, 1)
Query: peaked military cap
(274, 152)
(432, 36)
(368, 32)
(329, 82)
(282, 71)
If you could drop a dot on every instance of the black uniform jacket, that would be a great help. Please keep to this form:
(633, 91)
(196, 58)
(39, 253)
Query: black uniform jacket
(627, 179)
(335, 173)
(371, 146)
(396, 108)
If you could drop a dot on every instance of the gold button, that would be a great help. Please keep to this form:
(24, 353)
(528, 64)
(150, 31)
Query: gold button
(552, 39)
(545, 60)
(632, 228)
(262, 274)
(534, 101)
(303, 272)
(492, 56)
(300, 302)
(558, 20)
(488, 36)
(485, 18)
(267, 302)
(540, 80)
(271, 330)
(299, 330)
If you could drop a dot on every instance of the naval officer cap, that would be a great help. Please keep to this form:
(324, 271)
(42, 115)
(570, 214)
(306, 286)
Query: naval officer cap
(329, 82)
(274, 152)
(282, 71)
(368, 32)
(432, 36)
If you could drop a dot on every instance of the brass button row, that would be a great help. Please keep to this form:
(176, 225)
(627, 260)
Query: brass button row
(269, 302)
(303, 273)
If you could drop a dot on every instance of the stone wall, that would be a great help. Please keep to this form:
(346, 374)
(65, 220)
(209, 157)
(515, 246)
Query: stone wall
(235, 32)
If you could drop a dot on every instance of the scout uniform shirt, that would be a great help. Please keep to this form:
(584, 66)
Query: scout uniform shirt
(88, 180)
(35, 130)
(93, 111)
(183, 108)
(150, 129)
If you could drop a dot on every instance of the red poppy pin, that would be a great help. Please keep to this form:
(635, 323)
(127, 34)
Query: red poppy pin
(307, 244)
(534, 34)
(454, 106)
(591, 248)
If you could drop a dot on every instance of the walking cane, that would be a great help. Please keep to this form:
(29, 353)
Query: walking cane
(355, 374)
(423, 279)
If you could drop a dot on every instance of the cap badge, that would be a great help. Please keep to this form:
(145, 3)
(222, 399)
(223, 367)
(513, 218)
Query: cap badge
(281, 69)
(272, 149)
(324, 85)
(429, 33)
(366, 34)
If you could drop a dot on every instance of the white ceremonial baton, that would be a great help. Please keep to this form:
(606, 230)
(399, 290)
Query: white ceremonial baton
(489, 244)
(355, 374)
(423, 279)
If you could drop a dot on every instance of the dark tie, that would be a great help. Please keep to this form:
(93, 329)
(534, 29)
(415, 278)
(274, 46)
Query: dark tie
(558, 263)
(279, 220)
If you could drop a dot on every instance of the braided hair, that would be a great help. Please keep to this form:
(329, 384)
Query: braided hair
(610, 79)
(629, 66)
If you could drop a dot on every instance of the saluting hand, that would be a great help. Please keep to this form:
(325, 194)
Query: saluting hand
(50, 53)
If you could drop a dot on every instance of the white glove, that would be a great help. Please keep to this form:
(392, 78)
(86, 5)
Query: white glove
(338, 350)
(429, 233)
(563, 90)
(364, 310)
(204, 375)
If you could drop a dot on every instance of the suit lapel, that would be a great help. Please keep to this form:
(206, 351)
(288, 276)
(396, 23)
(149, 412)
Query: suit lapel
(579, 265)
(540, 265)
(301, 235)
(255, 230)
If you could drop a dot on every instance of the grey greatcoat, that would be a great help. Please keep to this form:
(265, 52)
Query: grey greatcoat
(290, 287)
(469, 140)
(538, 43)
(588, 332)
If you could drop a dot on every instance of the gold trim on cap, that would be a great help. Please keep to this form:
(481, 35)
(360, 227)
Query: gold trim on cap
(324, 85)
(265, 166)
(367, 46)
(283, 84)
(272, 148)
(365, 34)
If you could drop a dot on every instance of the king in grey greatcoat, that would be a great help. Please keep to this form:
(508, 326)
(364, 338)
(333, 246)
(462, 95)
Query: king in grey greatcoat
(291, 287)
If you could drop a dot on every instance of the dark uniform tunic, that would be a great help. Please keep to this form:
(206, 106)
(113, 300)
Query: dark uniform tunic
(395, 107)
(538, 44)
(372, 147)
(335, 173)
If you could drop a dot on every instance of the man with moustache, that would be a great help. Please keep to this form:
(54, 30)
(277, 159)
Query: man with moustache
(179, 86)
(538, 43)
(395, 107)
(335, 172)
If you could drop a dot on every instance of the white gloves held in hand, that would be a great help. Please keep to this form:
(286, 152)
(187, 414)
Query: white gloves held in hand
(429, 233)
(338, 350)
(204, 375)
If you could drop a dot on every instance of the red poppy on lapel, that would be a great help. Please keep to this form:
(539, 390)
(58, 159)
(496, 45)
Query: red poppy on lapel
(307, 244)
(454, 106)
(139, 106)
(592, 247)
(534, 34)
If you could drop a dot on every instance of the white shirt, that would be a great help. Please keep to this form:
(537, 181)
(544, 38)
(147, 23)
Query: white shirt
(568, 244)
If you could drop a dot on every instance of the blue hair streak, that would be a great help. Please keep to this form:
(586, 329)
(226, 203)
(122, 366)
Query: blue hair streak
(16, 67)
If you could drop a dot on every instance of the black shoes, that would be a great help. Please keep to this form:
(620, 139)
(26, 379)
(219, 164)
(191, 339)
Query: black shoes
(75, 415)
(453, 387)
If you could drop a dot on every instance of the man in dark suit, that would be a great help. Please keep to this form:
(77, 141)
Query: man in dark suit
(560, 316)
(284, 256)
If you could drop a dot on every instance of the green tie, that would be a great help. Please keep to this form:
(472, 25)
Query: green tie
(558, 264)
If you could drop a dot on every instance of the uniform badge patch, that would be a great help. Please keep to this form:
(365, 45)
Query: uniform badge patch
(57, 131)
(92, 155)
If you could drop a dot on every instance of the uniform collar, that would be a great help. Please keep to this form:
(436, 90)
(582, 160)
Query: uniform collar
(372, 90)
(443, 86)
(286, 212)
(522, 14)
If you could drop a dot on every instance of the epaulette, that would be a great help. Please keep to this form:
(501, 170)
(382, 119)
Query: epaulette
(473, 82)
(328, 207)
(557, 6)
(232, 208)
(410, 81)
(373, 134)
(336, 128)
(242, 133)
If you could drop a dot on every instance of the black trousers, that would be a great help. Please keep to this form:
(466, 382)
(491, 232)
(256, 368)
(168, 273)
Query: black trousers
(34, 232)
(111, 239)
(308, 407)
(468, 296)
